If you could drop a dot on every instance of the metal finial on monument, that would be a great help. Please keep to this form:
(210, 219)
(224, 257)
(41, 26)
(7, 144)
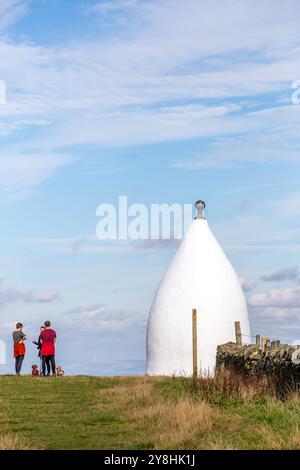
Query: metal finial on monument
(200, 206)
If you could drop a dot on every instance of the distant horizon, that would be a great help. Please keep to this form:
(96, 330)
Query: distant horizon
(96, 369)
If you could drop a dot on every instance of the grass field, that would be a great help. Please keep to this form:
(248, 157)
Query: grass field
(139, 413)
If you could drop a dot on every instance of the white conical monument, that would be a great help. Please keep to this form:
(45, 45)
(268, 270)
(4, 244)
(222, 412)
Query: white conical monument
(200, 276)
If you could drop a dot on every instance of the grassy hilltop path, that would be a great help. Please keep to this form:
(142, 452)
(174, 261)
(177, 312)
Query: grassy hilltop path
(138, 413)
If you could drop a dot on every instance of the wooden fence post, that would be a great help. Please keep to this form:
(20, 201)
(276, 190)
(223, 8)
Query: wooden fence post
(195, 347)
(238, 333)
(257, 338)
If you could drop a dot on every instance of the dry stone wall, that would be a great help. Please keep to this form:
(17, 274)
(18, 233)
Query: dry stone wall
(280, 361)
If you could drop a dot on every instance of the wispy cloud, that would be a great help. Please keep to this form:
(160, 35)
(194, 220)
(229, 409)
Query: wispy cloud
(21, 171)
(289, 205)
(108, 6)
(11, 11)
(90, 244)
(124, 94)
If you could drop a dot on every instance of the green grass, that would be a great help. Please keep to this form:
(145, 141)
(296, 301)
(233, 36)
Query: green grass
(138, 413)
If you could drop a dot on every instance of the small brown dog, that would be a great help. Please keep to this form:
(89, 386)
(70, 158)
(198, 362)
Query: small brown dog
(35, 371)
(59, 372)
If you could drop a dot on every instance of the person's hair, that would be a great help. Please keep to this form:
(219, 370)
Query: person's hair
(47, 324)
(42, 327)
(19, 325)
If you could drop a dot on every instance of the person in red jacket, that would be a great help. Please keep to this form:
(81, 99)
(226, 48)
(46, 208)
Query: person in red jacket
(48, 339)
(19, 347)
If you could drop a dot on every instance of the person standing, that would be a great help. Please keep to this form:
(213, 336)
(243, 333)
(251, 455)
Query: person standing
(19, 347)
(39, 347)
(48, 340)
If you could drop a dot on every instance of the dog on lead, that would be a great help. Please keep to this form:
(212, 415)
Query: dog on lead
(35, 370)
(59, 372)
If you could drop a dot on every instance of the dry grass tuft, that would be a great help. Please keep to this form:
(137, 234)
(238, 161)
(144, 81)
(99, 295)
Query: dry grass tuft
(279, 442)
(13, 442)
(167, 423)
(181, 423)
(232, 384)
(219, 444)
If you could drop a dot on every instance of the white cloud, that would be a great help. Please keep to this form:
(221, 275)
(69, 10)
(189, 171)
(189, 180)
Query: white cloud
(288, 206)
(284, 274)
(103, 319)
(164, 61)
(277, 298)
(279, 314)
(276, 322)
(131, 88)
(246, 284)
(10, 295)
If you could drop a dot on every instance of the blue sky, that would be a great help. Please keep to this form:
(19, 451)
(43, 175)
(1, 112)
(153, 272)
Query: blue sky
(163, 101)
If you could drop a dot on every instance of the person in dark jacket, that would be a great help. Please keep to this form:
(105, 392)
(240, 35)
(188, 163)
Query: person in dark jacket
(39, 346)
